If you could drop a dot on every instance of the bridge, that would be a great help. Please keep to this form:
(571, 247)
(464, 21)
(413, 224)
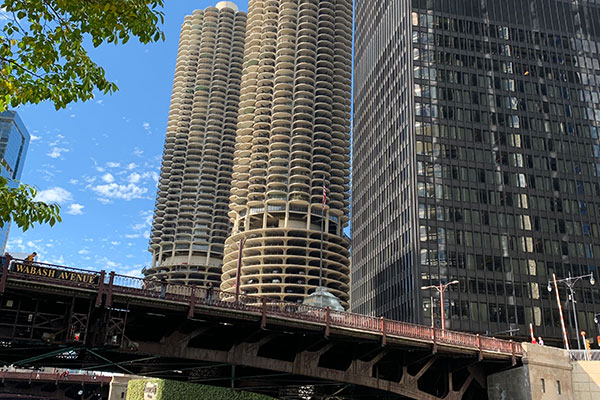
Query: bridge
(63, 317)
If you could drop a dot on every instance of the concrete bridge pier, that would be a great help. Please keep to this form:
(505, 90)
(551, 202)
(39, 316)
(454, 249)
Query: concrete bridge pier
(548, 373)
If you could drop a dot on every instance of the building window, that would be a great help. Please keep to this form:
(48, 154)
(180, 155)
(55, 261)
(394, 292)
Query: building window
(558, 389)
(543, 386)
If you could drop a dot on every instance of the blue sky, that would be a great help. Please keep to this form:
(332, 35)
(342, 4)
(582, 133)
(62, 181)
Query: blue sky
(100, 159)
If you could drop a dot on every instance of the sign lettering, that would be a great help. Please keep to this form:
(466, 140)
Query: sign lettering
(79, 277)
(150, 391)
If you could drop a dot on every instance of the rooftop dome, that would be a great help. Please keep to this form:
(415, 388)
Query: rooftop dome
(227, 4)
(322, 298)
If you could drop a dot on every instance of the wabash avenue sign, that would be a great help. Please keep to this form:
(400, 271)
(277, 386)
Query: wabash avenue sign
(56, 273)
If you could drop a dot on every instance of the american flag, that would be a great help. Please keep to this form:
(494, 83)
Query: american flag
(324, 194)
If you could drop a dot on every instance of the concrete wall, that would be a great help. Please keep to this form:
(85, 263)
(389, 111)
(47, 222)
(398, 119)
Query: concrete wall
(118, 386)
(545, 375)
(586, 380)
(511, 384)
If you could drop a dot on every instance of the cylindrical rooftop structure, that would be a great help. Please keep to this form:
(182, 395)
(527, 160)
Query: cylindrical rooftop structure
(227, 4)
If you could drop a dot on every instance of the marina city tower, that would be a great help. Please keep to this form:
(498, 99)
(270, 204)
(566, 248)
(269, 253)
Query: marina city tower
(190, 219)
(292, 145)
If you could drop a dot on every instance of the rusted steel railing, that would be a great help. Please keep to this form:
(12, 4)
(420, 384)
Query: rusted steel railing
(109, 284)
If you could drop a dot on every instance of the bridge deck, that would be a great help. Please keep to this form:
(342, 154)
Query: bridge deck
(111, 286)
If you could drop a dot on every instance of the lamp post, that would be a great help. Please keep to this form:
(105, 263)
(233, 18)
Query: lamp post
(238, 275)
(441, 288)
(570, 282)
(597, 321)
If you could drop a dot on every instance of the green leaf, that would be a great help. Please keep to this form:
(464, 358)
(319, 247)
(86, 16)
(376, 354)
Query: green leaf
(48, 59)
(17, 205)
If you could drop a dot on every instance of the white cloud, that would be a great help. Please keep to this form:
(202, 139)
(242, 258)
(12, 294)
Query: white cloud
(75, 209)
(138, 152)
(99, 102)
(73, 115)
(148, 216)
(96, 166)
(153, 175)
(136, 272)
(33, 138)
(84, 251)
(132, 236)
(57, 261)
(131, 166)
(59, 137)
(112, 164)
(54, 195)
(15, 244)
(115, 243)
(134, 177)
(108, 178)
(49, 172)
(146, 126)
(56, 152)
(116, 191)
(73, 181)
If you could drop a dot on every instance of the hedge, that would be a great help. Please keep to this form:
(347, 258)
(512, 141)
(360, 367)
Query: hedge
(175, 390)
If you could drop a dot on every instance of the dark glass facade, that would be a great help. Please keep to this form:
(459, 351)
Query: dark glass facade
(14, 140)
(477, 159)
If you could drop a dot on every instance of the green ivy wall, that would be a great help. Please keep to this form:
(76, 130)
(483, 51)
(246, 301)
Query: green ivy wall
(174, 390)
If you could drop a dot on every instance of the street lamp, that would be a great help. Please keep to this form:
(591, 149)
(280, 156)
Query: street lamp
(238, 275)
(441, 288)
(570, 282)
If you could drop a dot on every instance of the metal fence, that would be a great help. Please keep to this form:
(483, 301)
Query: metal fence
(584, 355)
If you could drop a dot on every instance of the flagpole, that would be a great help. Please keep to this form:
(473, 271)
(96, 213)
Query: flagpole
(322, 229)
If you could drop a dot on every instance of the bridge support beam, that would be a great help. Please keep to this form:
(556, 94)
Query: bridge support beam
(306, 363)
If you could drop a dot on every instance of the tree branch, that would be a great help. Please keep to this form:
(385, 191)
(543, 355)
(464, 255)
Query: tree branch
(16, 64)
(56, 13)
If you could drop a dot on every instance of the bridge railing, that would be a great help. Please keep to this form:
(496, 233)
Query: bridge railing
(408, 330)
(153, 288)
(584, 355)
(113, 283)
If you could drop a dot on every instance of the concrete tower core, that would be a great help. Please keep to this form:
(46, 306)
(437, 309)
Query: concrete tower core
(293, 133)
(190, 220)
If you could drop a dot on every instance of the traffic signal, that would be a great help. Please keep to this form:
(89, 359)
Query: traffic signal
(587, 344)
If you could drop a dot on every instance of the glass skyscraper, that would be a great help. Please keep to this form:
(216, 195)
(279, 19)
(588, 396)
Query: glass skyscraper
(477, 159)
(14, 140)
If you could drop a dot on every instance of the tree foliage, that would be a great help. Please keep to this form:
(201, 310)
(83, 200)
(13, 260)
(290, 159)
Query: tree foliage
(18, 205)
(43, 56)
(43, 43)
